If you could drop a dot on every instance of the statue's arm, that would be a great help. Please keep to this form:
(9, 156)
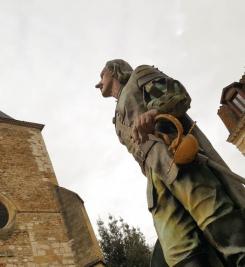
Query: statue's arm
(161, 96)
(167, 96)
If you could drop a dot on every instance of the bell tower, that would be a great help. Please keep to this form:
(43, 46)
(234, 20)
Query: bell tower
(41, 223)
(232, 112)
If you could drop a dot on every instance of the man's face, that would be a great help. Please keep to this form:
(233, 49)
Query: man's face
(105, 84)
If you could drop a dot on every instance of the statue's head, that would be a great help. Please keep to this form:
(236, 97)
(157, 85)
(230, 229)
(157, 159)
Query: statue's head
(120, 70)
(114, 75)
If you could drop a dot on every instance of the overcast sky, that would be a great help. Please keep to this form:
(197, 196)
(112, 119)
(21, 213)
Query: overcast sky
(52, 52)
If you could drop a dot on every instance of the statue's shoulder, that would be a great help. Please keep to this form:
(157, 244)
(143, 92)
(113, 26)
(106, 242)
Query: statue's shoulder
(146, 73)
(144, 70)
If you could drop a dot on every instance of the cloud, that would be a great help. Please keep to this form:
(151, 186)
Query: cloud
(51, 56)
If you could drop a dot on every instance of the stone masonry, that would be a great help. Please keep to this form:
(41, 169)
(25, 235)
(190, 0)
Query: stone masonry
(47, 225)
(232, 112)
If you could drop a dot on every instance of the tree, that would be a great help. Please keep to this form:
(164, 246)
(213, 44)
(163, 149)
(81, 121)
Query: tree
(123, 245)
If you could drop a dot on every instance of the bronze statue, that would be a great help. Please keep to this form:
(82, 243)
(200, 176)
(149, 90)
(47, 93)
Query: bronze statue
(194, 207)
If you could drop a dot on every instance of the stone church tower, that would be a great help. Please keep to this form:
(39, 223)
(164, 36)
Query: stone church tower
(232, 112)
(41, 224)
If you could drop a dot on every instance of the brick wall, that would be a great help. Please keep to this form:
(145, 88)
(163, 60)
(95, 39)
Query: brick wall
(44, 229)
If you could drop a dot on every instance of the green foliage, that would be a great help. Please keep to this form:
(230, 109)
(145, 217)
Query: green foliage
(123, 245)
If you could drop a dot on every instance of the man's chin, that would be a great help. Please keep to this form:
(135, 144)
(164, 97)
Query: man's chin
(105, 94)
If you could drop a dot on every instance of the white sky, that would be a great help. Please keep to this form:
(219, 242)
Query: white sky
(52, 52)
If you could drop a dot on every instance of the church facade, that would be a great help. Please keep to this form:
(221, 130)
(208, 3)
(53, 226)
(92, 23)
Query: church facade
(41, 223)
(232, 112)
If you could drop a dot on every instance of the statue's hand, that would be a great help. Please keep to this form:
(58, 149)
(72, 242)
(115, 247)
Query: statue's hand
(143, 125)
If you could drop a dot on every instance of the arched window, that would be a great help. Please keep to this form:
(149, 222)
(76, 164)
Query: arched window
(234, 97)
(239, 101)
(4, 215)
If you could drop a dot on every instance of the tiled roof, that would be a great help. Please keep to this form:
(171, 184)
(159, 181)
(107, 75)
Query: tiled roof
(5, 116)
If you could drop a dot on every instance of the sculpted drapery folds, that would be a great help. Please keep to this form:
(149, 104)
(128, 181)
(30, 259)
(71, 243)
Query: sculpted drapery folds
(187, 202)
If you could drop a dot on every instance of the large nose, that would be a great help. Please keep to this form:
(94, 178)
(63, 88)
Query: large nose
(98, 85)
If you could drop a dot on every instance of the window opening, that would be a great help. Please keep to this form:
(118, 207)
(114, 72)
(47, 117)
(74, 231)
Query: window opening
(4, 215)
(239, 102)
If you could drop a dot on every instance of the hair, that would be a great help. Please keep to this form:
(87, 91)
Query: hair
(120, 70)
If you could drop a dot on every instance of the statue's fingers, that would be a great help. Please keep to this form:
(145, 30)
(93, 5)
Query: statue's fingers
(144, 122)
(143, 138)
(135, 134)
(148, 120)
(137, 122)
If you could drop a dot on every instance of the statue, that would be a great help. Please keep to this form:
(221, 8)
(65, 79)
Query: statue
(194, 207)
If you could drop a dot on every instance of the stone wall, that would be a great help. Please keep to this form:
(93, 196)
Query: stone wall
(37, 240)
(84, 241)
(46, 226)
